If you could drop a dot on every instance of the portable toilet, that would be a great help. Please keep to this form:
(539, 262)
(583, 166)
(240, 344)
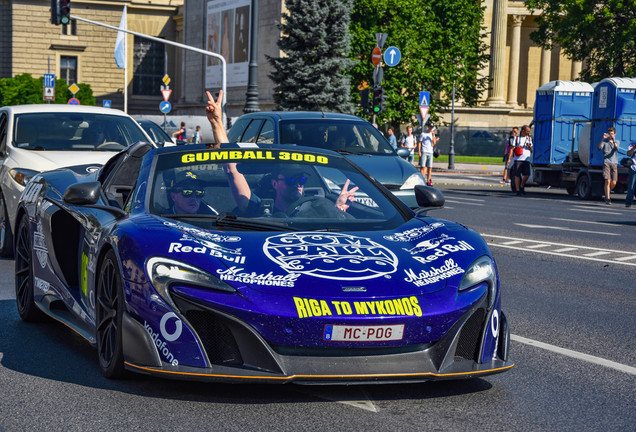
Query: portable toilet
(561, 109)
(614, 105)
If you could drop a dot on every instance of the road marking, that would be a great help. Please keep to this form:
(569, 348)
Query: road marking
(596, 211)
(587, 222)
(473, 199)
(462, 202)
(565, 229)
(356, 396)
(575, 354)
(581, 252)
(591, 254)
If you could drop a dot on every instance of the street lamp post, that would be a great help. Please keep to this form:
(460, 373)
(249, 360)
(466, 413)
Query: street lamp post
(251, 100)
(451, 150)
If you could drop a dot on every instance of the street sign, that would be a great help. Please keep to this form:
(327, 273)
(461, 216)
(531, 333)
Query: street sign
(380, 38)
(424, 105)
(106, 103)
(378, 75)
(74, 88)
(376, 55)
(166, 94)
(165, 107)
(49, 93)
(392, 56)
(73, 101)
(166, 79)
(49, 80)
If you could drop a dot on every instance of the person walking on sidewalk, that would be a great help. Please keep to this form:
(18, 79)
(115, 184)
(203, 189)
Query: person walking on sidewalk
(609, 145)
(511, 143)
(425, 150)
(409, 142)
(522, 153)
(631, 177)
(392, 139)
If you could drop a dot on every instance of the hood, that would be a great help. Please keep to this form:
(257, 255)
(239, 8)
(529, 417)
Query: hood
(418, 258)
(387, 169)
(50, 160)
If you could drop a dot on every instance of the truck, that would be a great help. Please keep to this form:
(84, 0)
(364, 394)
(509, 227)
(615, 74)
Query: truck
(570, 118)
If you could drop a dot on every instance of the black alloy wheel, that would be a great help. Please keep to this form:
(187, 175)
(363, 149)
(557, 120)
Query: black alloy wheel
(24, 275)
(109, 310)
(6, 237)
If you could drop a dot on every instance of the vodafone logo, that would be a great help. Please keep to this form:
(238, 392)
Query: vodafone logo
(173, 335)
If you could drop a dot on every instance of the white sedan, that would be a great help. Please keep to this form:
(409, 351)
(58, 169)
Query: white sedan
(36, 138)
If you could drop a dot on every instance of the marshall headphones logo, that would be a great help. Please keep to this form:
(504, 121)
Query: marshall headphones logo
(330, 256)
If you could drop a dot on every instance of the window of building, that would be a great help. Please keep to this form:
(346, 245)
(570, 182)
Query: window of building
(68, 69)
(148, 66)
(70, 30)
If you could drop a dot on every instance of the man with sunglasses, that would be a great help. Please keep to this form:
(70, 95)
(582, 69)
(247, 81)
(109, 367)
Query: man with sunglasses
(186, 193)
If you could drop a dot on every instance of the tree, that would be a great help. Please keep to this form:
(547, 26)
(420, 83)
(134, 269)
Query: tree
(601, 33)
(441, 41)
(24, 89)
(311, 74)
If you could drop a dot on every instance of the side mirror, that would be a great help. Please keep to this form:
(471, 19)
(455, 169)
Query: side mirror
(428, 197)
(85, 193)
(403, 152)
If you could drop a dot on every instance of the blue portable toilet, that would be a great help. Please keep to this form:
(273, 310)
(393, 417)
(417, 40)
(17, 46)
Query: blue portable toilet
(614, 105)
(561, 109)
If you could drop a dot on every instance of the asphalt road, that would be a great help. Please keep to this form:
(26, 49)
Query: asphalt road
(567, 271)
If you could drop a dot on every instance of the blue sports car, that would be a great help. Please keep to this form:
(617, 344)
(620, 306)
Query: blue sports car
(256, 263)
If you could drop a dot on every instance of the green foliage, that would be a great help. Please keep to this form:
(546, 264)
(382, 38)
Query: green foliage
(310, 74)
(24, 89)
(440, 41)
(601, 33)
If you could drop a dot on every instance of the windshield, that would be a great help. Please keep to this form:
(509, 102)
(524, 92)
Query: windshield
(294, 189)
(75, 132)
(339, 135)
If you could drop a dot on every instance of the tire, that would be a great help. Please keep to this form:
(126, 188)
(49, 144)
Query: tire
(584, 187)
(109, 310)
(6, 236)
(24, 275)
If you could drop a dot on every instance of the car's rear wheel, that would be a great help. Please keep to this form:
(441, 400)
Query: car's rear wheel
(6, 236)
(109, 309)
(24, 275)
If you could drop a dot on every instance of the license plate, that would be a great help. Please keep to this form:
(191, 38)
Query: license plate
(363, 333)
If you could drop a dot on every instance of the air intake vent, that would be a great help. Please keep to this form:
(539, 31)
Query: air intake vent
(217, 339)
(468, 345)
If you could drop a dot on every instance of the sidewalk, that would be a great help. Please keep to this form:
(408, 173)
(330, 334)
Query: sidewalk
(468, 168)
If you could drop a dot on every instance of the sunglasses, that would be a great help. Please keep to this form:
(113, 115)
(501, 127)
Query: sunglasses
(188, 193)
(293, 181)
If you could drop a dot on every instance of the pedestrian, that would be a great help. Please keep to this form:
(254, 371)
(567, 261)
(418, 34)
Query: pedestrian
(392, 139)
(631, 177)
(181, 133)
(511, 143)
(609, 144)
(196, 137)
(409, 142)
(425, 150)
(521, 159)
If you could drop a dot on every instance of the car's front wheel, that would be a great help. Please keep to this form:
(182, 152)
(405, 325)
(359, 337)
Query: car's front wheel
(24, 275)
(109, 311)
(6, 237)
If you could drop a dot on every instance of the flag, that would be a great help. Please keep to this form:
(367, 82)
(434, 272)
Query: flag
(120, 43)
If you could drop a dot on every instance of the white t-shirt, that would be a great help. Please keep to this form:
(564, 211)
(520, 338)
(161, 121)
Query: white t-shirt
(426, 138)
(409, 142)
(522, 141)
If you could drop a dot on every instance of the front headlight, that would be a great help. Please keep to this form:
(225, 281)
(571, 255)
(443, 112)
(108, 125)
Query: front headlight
(481, 270)
(21, 175)
(164, 272)
(414, 180)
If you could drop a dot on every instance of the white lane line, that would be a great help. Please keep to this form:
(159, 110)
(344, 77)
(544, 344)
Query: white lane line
(596, 211)
(591, 254)
(462, 202)
(565, 229)
(356, 396)
(513, 242)
(471, 199)
(588, 222)
(626, 258)
(575, 354)
(567, 249)
(538, 246)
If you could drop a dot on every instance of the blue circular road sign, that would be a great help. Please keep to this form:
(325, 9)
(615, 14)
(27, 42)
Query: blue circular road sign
(392, 56)
(165, 107)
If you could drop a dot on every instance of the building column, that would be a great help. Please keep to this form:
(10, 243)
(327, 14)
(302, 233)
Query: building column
(513, 70)
(575, 74)
(498, 53)
(546, 59)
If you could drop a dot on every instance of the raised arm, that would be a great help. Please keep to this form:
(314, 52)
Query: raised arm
(214, 114)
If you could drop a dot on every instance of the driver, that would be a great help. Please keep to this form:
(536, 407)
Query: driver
(186, 194)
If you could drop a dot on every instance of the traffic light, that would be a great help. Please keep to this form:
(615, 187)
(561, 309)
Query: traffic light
(60, 12)
(379, 100)
(365, 103)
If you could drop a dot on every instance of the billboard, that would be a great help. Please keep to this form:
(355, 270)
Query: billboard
(228, 34)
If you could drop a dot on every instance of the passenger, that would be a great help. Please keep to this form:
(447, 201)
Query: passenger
(186, 194)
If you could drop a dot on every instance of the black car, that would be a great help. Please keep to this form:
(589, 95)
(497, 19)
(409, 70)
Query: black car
(351, 136)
